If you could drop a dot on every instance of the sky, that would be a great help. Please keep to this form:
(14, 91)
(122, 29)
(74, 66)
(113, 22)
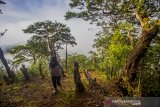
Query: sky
(18, 14)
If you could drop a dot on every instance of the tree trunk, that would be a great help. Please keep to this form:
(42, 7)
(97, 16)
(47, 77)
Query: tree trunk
(34, 59)
(139, 51)
(9, 72)
(91, 81)
(66, 58)
(111, 72)
(77, 79)
(49, 45)
(40, 68)
(25, 72)
(62, 71)
(53, 58)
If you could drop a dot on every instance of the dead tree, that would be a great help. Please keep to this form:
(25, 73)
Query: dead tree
(25, 72)
(77, 79)
(91, 81)
(4, 61)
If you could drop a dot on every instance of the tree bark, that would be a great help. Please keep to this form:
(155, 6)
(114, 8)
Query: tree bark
(40, 68)
(111, 72)
(53, 58)
(77, 79)
(49, 45)
(91, 81)
(25, 72)
(140, 49)
(132, 39)
(9, 72)
(62, 71)
(66, 58)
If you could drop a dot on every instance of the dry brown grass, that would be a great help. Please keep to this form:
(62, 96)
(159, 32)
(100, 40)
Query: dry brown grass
(39, 93)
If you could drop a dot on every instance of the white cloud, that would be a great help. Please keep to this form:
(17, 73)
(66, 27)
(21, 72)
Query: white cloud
(15, 19)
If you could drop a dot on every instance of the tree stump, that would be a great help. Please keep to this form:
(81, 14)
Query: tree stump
(7, 80)
(91, 81)
(25, 72)
(77, 79)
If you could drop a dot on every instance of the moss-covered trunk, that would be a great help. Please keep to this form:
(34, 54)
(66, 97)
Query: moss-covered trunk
(149, 31)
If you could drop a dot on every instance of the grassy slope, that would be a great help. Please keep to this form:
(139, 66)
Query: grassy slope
(39, 93)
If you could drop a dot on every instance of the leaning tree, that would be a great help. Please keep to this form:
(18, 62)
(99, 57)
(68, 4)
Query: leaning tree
(143, 14)
(4, 61)
(2, 58)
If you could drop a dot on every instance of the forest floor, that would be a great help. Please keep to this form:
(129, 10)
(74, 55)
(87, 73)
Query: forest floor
(39, 93)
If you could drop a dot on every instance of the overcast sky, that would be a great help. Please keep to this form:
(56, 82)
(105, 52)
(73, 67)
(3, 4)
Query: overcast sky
(18, 14)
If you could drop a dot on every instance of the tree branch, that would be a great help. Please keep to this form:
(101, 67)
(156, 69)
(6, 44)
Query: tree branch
(1, 34)
(132, 39)
(139, 18)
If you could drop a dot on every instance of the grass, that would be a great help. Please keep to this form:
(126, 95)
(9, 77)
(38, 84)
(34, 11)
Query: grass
(39, 93)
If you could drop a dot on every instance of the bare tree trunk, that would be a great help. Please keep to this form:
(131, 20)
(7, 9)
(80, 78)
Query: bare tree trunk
(77, 79)
(25, 72)
(9, 72)
(91, 81)
(53, 58)
(66, 58)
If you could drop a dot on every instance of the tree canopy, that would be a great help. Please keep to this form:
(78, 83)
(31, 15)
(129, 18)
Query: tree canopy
(113, 10)
(30, 52)
(54, 34)
(1, 2)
